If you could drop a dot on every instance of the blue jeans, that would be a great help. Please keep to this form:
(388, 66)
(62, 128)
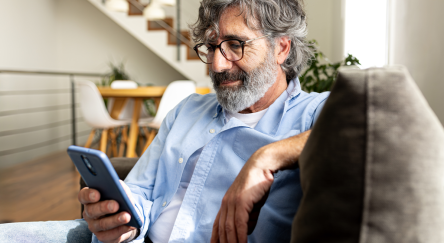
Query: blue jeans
(71, 231)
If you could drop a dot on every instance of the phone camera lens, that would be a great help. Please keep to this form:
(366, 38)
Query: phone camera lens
(88, 165)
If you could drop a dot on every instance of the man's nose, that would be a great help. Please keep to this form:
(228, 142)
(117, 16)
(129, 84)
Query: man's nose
(220, 63)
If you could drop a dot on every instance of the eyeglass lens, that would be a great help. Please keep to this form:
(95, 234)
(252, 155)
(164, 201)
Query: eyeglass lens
(231, 49)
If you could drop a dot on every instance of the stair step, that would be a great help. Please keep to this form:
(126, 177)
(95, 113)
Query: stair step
(135, 10)
(172, 40)
(191, 54)
(153, 25)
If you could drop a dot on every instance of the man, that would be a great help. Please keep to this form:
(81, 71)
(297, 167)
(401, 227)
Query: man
(255, 50)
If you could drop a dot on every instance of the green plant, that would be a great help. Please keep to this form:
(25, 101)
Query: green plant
(150, 106)
(117, 72)
(321, 73)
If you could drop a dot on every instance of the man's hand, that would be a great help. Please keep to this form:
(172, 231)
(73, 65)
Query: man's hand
(250, 187)
(242, 202)
(107, 228)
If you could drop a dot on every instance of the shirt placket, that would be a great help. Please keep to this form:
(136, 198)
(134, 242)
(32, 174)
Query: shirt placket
(185, 220)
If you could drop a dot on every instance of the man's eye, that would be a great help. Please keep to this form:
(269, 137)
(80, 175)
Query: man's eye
(233, 45)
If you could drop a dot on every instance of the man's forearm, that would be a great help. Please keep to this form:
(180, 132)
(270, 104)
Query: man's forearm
(282, 154)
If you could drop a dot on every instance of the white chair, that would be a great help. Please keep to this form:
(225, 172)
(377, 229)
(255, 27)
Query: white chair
(174, 94)
(128, 109)
(95, 115)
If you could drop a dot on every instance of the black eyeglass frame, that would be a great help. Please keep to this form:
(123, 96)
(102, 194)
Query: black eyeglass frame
(196, 47)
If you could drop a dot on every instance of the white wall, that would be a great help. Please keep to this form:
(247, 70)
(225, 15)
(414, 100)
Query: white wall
(60, 35)
(416, 41)
(325, 25)
(28, 38)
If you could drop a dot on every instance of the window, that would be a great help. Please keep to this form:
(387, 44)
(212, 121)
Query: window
(366, 29)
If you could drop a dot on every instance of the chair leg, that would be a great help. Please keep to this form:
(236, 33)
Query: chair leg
(104, 140)
(143, 138)
(149, 140)
(124, 140)
(113, 138)
(90, 138)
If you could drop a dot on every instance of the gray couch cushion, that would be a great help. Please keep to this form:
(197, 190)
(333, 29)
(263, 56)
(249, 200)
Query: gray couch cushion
(372, 170)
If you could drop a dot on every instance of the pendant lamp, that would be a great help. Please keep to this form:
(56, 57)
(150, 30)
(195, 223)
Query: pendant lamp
(154, 11)
(167, 2)
(117, 5)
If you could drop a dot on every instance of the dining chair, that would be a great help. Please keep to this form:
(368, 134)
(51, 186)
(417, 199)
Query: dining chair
(175, 92)
(96, 115)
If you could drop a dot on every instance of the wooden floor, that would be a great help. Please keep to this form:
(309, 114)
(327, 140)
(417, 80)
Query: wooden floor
(40, 190)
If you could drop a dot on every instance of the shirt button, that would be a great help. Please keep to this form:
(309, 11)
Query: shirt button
(164, 203)
(212, 131)
(180, 160)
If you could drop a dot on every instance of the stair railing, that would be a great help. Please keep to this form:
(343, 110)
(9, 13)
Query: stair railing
(72, 106)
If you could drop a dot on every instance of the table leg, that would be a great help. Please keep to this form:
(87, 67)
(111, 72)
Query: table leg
(119, 104)
(134, 130)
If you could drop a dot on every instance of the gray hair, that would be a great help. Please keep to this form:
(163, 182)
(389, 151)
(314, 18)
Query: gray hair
(276, 18)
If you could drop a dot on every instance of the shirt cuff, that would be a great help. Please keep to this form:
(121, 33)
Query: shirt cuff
(143, 207)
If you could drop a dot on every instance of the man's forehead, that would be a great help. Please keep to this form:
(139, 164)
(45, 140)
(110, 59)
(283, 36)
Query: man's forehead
(228, 36)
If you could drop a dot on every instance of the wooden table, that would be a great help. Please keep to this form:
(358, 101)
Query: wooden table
(139, 94)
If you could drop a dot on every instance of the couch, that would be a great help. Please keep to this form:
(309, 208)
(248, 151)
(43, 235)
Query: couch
(372, 170)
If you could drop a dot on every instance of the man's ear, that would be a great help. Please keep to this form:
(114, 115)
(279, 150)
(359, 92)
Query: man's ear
(282, 49)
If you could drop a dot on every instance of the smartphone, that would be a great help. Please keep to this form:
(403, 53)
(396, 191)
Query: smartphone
(98, 173)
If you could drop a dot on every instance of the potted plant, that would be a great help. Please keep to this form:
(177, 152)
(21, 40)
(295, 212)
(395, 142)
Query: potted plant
(321, 74)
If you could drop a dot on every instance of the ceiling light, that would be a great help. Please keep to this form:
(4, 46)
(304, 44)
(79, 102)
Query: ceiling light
(154, 11)
(117, 5)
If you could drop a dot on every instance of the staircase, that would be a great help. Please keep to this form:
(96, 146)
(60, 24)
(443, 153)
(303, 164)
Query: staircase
(155, 36)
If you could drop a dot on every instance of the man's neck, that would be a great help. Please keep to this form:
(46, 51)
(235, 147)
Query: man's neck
(270, 96)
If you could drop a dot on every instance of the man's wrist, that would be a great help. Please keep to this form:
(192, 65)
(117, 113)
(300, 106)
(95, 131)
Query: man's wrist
(134, 234)
(281, 155)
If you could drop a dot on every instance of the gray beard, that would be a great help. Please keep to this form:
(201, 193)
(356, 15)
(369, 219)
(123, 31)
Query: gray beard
(254, 85)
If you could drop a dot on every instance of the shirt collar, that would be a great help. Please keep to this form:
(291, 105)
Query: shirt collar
(294, 88)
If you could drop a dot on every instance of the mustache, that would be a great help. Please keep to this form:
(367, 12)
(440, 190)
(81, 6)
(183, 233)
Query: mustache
(218, 78)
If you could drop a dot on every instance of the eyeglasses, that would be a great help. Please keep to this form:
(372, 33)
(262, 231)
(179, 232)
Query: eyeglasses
(232, 50)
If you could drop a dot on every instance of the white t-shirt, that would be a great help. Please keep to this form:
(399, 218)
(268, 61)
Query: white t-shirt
(250, 119)
(161, 230)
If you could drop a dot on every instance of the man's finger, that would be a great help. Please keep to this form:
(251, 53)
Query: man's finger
(117, 234)
(109, 223)
(241, 218)
(88, 195)
(215, 233)
(230, 229)
(222, 219)
(100, 209)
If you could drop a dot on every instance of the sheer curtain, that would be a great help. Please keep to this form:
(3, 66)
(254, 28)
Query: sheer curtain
(416, 40)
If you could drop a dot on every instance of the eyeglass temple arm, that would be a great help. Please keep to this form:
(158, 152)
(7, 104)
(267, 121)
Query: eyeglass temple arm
(260, 37)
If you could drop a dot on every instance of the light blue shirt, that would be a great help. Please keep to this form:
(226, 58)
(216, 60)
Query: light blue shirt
(199, 121)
